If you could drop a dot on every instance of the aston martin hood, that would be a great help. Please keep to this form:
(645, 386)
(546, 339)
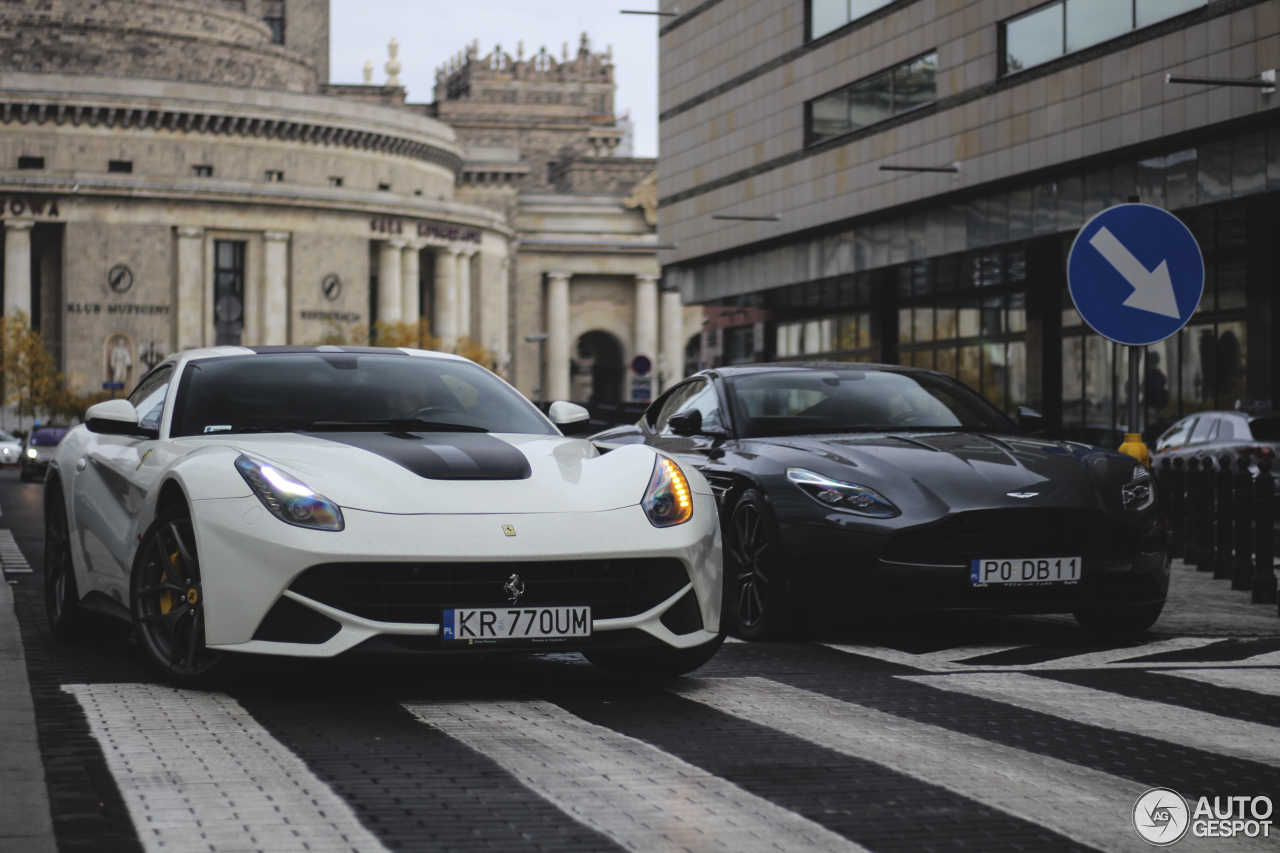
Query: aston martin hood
(468, 473)
(955, 471)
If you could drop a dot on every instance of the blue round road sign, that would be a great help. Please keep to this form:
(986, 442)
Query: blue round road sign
(1135, 274)
(641, 365)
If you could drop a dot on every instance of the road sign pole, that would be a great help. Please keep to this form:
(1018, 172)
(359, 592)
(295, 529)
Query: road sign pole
(1133, 444)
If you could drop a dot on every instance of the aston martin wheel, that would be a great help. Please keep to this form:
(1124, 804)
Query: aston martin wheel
(168, 602)
(755, 595)
(1119, 621)
(61, 598)
(654, 663)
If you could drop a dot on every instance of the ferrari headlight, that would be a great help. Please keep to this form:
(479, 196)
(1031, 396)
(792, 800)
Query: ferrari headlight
(287, 499)
(845, 496)
(668, 501)
(1139, 493)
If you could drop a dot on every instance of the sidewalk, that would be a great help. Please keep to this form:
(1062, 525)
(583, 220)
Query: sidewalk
(25, 822)
(1198, 605)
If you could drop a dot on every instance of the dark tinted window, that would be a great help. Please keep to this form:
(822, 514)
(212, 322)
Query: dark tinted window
(49, 436)
(1265, 429)
(808, 401)
(286, 392)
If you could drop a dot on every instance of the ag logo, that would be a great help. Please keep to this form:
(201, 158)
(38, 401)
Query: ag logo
(1161, 817)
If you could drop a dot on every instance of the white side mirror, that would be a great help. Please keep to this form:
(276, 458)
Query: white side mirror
(115, 417)
(570, 417)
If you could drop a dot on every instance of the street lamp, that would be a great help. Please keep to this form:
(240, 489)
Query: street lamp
(541, 340)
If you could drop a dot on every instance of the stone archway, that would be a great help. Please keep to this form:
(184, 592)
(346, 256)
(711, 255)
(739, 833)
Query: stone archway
(598, 370)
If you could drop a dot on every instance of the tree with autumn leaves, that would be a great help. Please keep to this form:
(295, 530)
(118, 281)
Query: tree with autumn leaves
(30, 380)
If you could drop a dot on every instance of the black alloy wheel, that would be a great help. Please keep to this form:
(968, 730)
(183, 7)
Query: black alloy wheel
(755, 596)
(168, 601)
(61, 597)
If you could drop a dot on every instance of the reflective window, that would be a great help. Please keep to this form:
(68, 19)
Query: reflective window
(828, 15)
(1065, 26)
(699, 396)
(148, 398)
(910, 85)
(1203, 431)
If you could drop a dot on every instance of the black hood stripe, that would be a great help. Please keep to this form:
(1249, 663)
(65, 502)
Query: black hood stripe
(442, 456)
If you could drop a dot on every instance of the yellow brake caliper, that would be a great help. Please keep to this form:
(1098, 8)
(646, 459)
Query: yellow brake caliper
(166, 597)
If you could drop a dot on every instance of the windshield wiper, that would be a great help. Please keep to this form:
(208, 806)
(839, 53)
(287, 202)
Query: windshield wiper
(411, 425)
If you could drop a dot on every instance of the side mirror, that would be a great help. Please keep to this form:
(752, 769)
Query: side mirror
(571, 418)
(116, 417)
(1029, 420)
(686, 423)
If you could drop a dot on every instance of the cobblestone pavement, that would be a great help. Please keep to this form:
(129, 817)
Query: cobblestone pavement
(921, 735)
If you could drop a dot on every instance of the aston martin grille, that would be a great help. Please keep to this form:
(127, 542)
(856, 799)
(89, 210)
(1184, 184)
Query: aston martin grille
(417, 592)
(1014, 533)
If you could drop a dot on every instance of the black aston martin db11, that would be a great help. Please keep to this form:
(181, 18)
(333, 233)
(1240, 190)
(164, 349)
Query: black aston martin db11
(876, 487)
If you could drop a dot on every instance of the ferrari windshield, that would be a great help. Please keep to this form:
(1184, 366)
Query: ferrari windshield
(811, 401)
(300, 392)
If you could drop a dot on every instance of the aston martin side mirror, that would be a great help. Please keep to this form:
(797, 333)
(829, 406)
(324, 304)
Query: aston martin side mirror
(686, 423)
(116, 417)
(1029, 420)
(571, 418)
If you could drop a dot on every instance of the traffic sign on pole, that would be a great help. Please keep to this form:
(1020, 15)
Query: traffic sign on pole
(1135, 274)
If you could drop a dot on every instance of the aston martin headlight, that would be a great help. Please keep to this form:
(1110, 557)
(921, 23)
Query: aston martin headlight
(1139, 493)
(845, 496)
(287, 499)
(668, 501)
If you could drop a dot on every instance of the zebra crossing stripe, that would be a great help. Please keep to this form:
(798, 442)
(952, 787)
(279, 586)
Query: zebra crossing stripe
(11, 558)
(1158, 720)
(960, 659)
(1264, 681)
(1079, 803)
(634, 793)
(198, 773)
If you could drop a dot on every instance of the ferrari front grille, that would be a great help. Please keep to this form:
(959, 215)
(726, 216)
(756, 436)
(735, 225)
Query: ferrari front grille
(418, 592)
(997, 533)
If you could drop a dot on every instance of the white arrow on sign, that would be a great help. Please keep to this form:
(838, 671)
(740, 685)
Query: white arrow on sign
(1152, 289)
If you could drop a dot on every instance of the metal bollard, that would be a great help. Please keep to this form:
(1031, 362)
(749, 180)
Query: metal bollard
(1190, 513)
(1177, 508)
(1204, 487)
(1264, 576)
(1242, 565)
(1223, 517)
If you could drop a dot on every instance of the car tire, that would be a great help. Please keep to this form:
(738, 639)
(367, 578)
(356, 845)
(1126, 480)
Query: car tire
(756, 603)
(167, 602)
(1119, 621)
(654, 663)
(61, 595)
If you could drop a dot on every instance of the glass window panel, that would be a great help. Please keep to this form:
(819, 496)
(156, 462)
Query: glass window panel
(946, 320)
(1273, 158)
(1150, 11)
(1072, 380)
(993, 316)
(1231, 356)
(924, 324)
(1097, 192)
(1150, 180)
(1071, 318)
(998, 218)
(975, 222)
(1033, 39)
(970, 320)
(1199, 355)
(1070, 194)
(1020, 214)
(827, 335)
(1215, 171)
(970, 368)
(827, 15)
(864, 330)
(1092, 21)
(1097, 382)
(915, 84)
(1158, 401)
(905, 325)
(871, 101)
(1231, 285)
(1210, 284)
(1017, 313)
(945, 361)
(923, 358)
(829, 116)
(995, 373)
(859, 8)
(1044, 213)
(812, 337)
(1017, 381)
(1124, 183)
(1248, 164)
(847, 331)
(1181, 179)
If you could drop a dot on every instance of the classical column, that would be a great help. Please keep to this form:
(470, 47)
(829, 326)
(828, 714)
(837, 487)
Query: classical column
(190, 308)
(17, 267)
(445, 323)
(464, 294)
(275, 288)
(672, 356)
(410, 295)
(389, 281)
(647, 320)
(557, 375)
(502, 348)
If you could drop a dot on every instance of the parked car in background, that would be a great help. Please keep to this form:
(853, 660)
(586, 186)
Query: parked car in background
(10, 448)
(37, 451)
(1251, 436)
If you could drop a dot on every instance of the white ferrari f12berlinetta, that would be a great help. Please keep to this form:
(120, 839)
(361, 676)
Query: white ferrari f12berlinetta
(317, 501)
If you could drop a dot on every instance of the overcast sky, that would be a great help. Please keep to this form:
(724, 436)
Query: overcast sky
(430, 32)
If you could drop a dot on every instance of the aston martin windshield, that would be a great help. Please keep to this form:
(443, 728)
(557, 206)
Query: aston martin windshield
(811, 401)
(321, 391)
